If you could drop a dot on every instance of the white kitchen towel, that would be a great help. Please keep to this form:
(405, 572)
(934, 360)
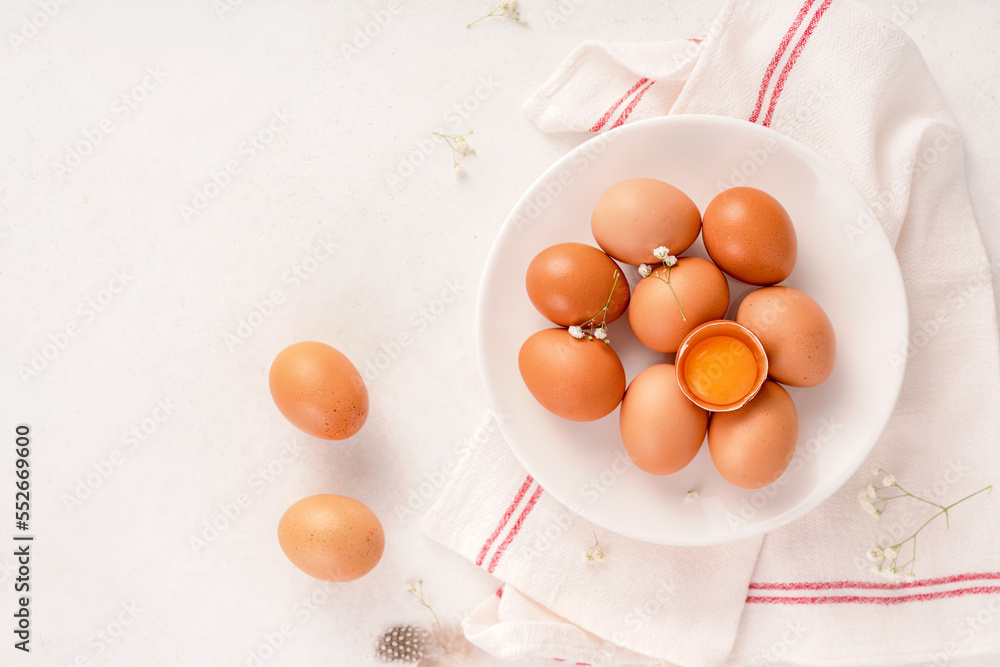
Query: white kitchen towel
(833, 76)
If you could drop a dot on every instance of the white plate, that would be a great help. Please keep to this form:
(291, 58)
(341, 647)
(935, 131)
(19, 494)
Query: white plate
(844, 262)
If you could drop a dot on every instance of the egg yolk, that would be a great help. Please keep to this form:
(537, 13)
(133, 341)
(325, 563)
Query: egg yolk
(720, 370)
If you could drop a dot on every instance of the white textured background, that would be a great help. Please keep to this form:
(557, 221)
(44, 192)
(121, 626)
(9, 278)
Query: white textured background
(65, 233)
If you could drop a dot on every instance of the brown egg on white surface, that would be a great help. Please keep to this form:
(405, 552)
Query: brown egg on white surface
(751, 447)
(661, 429)
(634, 217)
(570, 283)
(576, 379)
(319, 390)
(669, 303)
(750, 236)
(331, 537)
(797, 335)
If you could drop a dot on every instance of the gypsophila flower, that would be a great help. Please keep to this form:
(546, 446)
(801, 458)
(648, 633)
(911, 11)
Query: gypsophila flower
(868, 507)
(875, 569)
(892, 574)
(662, 253)
(597, 326)
(691, 496)
(595, 553)
(874, 501)
(876, 469)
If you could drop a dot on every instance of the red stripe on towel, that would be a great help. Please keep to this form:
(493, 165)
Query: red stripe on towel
(503, 521)
(858, 599)
(631, 106)
(778, 87)
(827, 585)
(786, 40)
(607, 116)
(513, 531)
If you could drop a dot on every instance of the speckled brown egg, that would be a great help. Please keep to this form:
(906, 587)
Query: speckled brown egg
(570, 283)
(796, 333)
(638, 215)
(576, 379)
(661, 318)
(662, 430)
(331, 537)
(750, 236)
(752, 446)
(319, 390)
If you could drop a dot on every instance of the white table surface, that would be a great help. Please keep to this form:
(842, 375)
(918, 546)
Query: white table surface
(184, 285)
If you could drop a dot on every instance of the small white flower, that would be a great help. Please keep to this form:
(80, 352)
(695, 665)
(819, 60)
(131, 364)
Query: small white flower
(661, 252)
(868, 507)
(645, 270)
(670, 260)
(911, 576)
(691, 496)
(888, 480)
(890, 554)
(870, 492)
(874, 554)
(601, 334)
(892, 575)
(876, 469)
(875, 569)
(576, 332)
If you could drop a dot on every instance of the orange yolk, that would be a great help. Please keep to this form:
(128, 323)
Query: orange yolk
(720, 370)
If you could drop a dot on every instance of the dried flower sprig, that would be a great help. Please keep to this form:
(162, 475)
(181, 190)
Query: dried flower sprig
(668, 262)
(459, 145)
(874, 499)
(595, 553)
(444, 645)
(506, 10)
(417, 591)
(591, 329)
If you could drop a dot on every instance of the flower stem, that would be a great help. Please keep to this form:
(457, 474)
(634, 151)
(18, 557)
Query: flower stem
(667, 281)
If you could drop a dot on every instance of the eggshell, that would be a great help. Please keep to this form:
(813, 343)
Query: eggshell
(752, 446)
(711, 330)
(635, 216)
(569, 283)
(576, 379)
(661, 429)
(796, 333)
(750, 236)
(331, 537)
(319, 390)
(654, 315)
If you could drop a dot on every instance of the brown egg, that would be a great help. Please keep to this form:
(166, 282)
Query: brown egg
(330, 537)
(661, 429)
(319, 390)
(654, 314)
(752, 446)
(749, 235)
(576, 379)
(635, 216)
(570, 283)
(797, 335)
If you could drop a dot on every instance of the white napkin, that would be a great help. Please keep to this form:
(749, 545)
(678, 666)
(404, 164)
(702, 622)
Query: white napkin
(833, 76)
